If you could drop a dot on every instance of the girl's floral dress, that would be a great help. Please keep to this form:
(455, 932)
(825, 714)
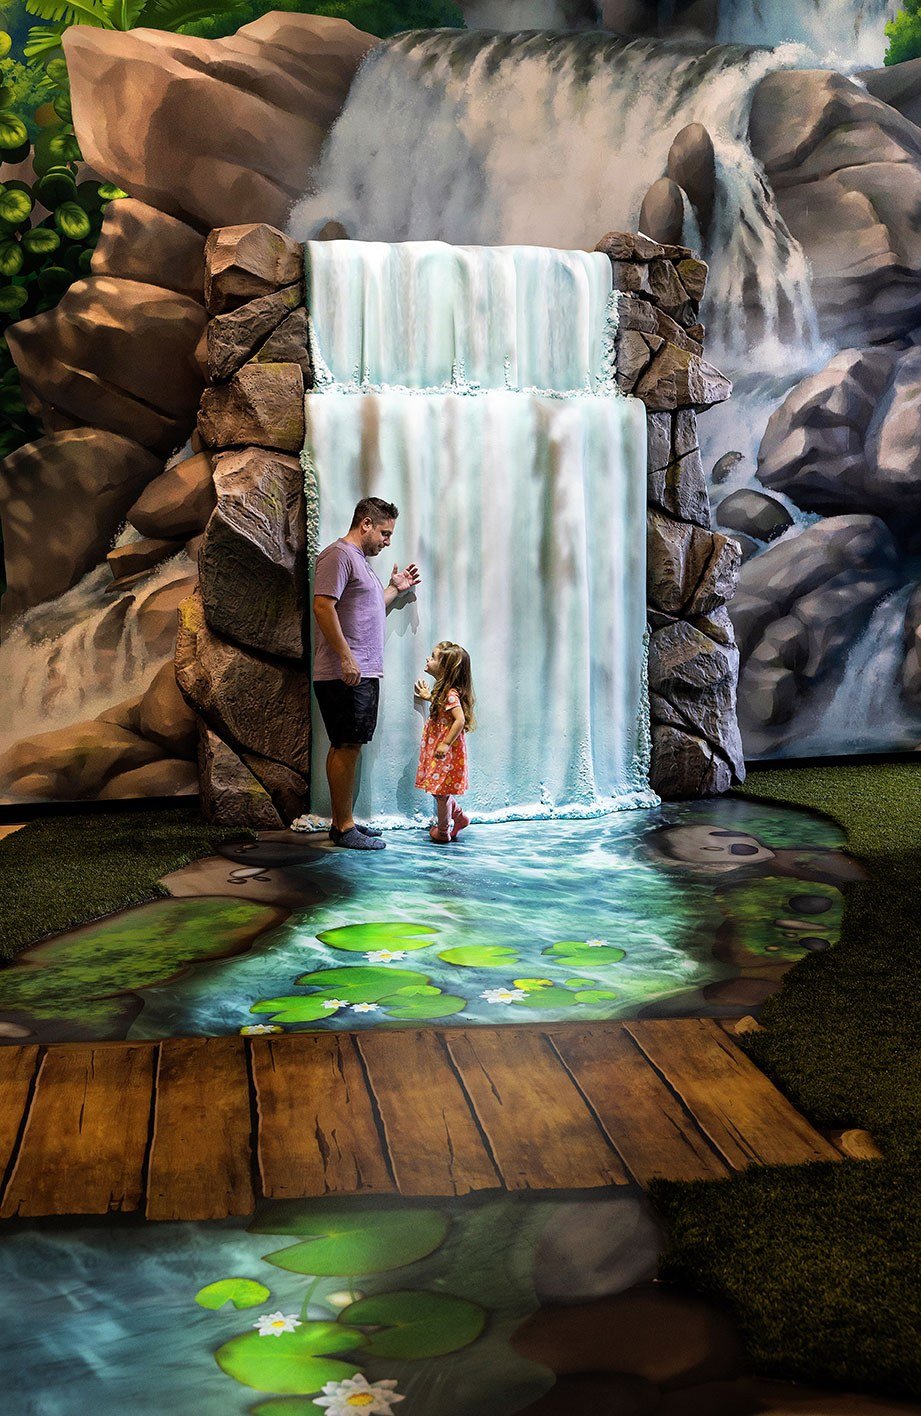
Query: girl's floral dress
(449, 776)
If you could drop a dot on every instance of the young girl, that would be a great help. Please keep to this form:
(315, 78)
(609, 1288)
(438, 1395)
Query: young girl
(443, 754)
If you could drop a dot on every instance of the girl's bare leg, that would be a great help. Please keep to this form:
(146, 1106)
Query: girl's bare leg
(443, 806)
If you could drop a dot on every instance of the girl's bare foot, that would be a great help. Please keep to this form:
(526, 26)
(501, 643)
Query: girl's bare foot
(441, 837)
(460, 821)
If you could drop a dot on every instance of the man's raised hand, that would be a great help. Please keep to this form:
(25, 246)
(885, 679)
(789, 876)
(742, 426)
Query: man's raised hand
(403, 580)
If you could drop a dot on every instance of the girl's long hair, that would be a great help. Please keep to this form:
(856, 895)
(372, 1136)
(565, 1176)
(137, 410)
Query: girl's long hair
(454, 672)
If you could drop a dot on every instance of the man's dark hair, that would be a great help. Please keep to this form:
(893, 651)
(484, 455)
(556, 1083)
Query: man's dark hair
(375, 509)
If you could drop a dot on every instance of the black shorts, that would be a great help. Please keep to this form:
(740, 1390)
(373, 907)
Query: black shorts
(349, 712)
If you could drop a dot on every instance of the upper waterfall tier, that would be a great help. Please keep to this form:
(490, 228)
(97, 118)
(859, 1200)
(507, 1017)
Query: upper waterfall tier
(426, 315)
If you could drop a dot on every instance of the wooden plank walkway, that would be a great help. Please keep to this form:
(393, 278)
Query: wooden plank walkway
(203, 1128)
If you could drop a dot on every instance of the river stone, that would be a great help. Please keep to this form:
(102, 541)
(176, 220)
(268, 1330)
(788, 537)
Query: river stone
(232, 338)
(662, 212)
(72, 763)
(679, 379)
(170, 776)
(289, 790)
(243, 263)
(253, 563)
(164, 717)
(680, 655)
(844, 164)
(138, 556)
(137, 242)
(230, 794)
(691, 163)
(157, 613)
(257, 704)
(116, 354)
(178, 503)
(288, 344)
(724, 467)
(262, 404)
(213, 131)
(899, 86)
(755, 514)
(97, 476)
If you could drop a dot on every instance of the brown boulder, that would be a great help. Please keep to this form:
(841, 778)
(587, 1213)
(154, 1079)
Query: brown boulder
(662, 212)
(288, 345)
(73, 763)
(676, 482)
(137, 242)
(212, 131)
(689, 568)
(262, 404)
(168, 777)
(234, 337)
(178, 503)
(253, 563)
(95, 475)
(691, 163)
(256, 704)
(679, 379)
(164, 717)
(116, 354)
(158, 615)
(230, 794)
(684, 765)
(137, 556)
(245, 262)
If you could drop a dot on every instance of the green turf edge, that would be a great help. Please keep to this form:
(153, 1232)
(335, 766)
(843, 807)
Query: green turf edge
(820, 1264)
(61, 872)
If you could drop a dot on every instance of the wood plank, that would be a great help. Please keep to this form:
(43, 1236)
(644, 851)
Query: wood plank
(17, 1072)
(85, 1142)
(652, 1132)
(201, 1154)
(434, 1144)
(540, 1130)
(735, 1105)
(317, 1130)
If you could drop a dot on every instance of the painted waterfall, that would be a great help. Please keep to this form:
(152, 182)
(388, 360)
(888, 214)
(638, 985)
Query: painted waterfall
(474, 388)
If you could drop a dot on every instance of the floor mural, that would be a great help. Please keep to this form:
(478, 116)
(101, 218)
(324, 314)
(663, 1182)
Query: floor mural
(690, 908)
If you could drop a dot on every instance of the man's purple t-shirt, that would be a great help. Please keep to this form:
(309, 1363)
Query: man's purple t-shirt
(343, 573)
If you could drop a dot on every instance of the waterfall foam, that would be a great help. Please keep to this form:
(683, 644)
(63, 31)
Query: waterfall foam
(553, 139)
(525, 511)
(850, 34)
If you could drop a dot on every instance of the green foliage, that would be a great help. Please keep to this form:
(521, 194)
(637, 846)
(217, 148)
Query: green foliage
(479, 956)
(377, 17)
(402, 993)
(580, 954)
(346, 1242)
(364, 938)
(904, 34)
(241, 1292)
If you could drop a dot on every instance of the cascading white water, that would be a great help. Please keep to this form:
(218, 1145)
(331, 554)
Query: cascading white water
(852, 33)
(554, 139)
(525, 511)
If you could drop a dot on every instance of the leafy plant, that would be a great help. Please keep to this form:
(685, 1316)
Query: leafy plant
(378, 17)
(904, 34)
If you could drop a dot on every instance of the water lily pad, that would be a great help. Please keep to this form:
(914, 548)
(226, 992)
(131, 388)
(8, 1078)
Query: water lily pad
(347, 1242)
(594, 995)
(548, 998)
(363, 985)
(361, 938)
(286, 1406)
(441, 1007)
(292, 1362)
(480, 956)
(414, 1325)
(422, 990)
(531, 985)
(241, 1292)
(293, 1009)
(574, 954)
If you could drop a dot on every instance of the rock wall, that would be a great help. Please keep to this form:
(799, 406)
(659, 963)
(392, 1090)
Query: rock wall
(242, 658)
(692, 571)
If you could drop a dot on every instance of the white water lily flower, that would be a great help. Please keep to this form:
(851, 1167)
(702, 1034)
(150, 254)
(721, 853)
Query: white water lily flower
(358, 1394)
(257, 1029)
(385, 956)
(274, 1324)
(596, 943)
(503, 995)
(365, 1007)
(343, 1297)
(335, 1002)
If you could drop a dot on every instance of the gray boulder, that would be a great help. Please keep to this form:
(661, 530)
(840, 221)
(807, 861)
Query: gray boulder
(662, 212)
(841, 162)
(754, 514)
(692, 164)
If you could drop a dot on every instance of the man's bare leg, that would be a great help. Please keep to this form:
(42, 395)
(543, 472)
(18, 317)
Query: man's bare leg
(341, 766)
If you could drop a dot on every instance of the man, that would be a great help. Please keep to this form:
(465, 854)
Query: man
(350, 606)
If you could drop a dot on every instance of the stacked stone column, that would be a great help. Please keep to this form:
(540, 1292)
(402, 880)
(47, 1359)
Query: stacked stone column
(243, 645)
(691, 570)
(242, 657)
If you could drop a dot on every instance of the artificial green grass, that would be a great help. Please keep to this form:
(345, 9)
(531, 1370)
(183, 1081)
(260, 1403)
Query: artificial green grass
(64, 871)
(820, 1264)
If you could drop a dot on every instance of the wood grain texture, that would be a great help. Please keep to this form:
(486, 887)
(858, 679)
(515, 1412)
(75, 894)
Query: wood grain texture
(539, 1129)
(17, 1073)
(434, 1144)
(742, 1113)
(643, 1119)
(201, 1154)
(317, 1130)
(85, 1142)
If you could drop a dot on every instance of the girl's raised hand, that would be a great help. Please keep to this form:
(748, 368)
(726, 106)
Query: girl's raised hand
(422, 690)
